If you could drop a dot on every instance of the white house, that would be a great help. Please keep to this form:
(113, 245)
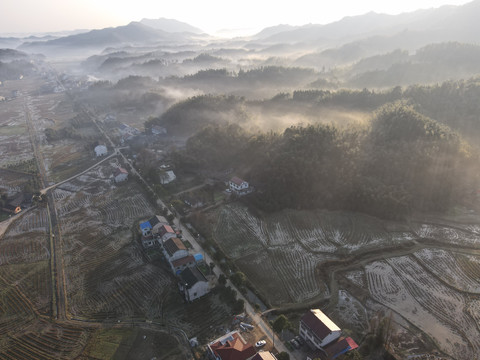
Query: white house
(317, 329)
(238, 185)
(174, 249)
(167, 177)
(120, 175)
(193, 283)
(100, 150)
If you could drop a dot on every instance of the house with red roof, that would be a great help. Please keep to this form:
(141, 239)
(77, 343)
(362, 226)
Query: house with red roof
(120, 175)
(173, 249)
(317, 329)
(182, 263)
(231, 346)
(238, 186)
(341, 347)
(166, 232)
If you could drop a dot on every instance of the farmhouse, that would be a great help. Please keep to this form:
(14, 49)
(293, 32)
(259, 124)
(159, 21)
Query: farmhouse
(264, 355)
(341, 347)
(167, 177)
(120, 175)
(166, 232)
(317, 329)
(193, 284)
(174, 249)
(230, 346)
(152, 226)
(181, 264)
(100, 150)
(239, 186)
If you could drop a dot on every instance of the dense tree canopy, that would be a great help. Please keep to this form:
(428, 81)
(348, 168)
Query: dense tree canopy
(401, 161)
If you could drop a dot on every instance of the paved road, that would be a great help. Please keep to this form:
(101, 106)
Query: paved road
(257, 319)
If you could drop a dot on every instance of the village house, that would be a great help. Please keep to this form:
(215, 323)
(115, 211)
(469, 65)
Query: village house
(230, 346)
(167, 177)
(264, 355)
(238, 186)
(153, 225)
(100, 150)
(193, 284)
(173, 249)
(340, 347)
(120, 175)
(317, 329)
(181, 264)
(166, 232)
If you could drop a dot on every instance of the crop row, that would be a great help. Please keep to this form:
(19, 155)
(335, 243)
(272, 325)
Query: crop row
(34, 220)
(390, 289)
(53, 342)
(20, 249)
(33, 280)
(446, 267)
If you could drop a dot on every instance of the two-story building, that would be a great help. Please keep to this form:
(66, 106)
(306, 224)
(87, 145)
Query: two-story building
(173, 249)
(238, 185)
(193, 284)
(317, 329)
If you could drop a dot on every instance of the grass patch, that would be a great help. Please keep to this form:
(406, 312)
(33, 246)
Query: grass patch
(104, 343)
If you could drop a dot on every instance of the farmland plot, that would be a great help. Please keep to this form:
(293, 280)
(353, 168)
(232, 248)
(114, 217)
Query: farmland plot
(15, 249)
(14, 138)
(35, 220)
(262, 247)
(42, 340)
(106, 274)
(445, 266)
(33, 279)
(447, 234)
(402, 285)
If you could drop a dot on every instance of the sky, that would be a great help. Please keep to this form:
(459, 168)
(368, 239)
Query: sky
(243, 17)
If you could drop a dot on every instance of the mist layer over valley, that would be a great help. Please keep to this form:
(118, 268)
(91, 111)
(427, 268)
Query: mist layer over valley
(356, 146)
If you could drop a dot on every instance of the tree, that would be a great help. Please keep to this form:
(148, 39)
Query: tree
(280, 323)
(222, 280)
(238, 306)
(353, 355)
(283, 356)
(239, 279)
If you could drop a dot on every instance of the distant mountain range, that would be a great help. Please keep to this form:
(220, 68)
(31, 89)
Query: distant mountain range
(367, 34)
(171, 26)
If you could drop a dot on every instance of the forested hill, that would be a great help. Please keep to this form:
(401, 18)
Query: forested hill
(401, 161)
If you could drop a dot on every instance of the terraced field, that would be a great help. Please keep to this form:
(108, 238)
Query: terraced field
(426, 273)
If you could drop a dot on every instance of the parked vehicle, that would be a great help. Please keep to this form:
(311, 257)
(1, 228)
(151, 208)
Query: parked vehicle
(260, 343)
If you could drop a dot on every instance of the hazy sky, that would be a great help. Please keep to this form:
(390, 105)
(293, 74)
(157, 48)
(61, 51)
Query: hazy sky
(249, 16)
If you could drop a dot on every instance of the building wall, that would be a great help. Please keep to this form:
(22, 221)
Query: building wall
(121, 177)
(196, 291)
(306, 334)
(243, 185)
(177, 255)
